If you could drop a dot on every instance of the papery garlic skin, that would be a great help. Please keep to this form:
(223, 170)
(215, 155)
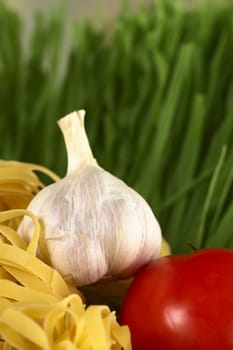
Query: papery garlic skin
(95, 226)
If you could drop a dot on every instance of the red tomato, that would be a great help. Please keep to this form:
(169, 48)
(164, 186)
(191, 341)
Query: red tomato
(182, 303)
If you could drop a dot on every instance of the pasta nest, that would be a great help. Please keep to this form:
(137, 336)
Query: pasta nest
(38, 308)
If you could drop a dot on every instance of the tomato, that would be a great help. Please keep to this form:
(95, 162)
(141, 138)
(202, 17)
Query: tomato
(182, 303)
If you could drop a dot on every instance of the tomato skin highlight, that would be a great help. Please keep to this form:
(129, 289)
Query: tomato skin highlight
(182, 303)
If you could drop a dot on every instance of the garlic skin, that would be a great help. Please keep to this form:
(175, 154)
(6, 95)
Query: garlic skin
(95, 226)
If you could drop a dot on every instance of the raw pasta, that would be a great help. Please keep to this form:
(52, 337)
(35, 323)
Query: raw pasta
(39, 310)
(18, 185)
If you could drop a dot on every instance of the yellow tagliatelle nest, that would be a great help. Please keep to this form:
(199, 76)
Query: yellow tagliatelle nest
(19, 184)
(38, 309)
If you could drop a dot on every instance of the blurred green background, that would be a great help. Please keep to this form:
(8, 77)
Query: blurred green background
(156, 80)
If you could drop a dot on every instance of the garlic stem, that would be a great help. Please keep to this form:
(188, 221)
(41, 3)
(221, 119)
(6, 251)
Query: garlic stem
(76, 141)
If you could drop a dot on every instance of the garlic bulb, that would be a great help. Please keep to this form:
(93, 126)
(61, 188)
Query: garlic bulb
(95, 226)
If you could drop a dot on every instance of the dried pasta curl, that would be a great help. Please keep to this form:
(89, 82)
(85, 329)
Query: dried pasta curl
(18, 185)
(39, 310)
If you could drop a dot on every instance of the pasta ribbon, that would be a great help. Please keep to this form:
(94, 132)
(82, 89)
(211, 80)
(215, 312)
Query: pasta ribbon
(18, 185)
(39, 310)
(35, 297)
